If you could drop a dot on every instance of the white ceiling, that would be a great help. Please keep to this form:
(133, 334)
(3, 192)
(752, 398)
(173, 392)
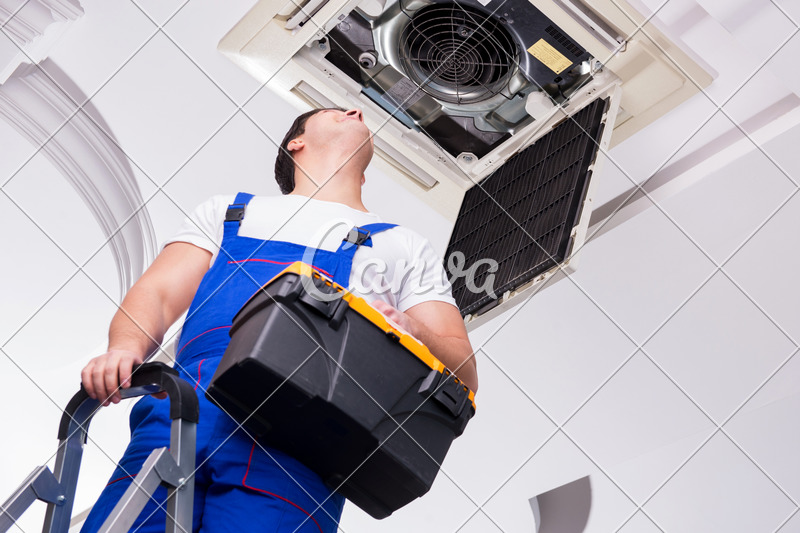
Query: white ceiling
(663, 368)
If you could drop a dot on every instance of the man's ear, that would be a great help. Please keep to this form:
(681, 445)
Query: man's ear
(295, 144)
(363, 179)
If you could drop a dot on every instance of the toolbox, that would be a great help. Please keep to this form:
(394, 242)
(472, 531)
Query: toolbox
(315, 371)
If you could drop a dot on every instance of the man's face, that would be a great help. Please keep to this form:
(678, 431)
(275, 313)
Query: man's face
(345, 128)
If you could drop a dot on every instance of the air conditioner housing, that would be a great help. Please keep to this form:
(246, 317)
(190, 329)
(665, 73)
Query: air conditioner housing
(455, 90)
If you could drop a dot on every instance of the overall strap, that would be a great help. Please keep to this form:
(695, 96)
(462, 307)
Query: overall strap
(235, 214)
(362, 236)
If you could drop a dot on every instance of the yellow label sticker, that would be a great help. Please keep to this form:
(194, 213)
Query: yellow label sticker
(552, 58)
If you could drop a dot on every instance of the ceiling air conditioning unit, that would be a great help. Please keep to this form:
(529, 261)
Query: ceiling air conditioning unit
(491, 111)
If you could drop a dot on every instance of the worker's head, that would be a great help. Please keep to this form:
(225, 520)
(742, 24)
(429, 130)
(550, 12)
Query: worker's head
(329, 128)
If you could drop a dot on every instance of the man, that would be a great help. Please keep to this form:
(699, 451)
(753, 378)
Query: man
(241, 486)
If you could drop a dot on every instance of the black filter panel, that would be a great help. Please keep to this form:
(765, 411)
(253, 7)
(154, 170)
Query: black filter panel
(520, 218)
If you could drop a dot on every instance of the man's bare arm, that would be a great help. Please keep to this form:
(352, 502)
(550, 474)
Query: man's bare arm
(149, 308)
(440, 327)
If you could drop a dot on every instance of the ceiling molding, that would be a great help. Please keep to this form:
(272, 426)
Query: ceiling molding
(84, 151)
(34, 26)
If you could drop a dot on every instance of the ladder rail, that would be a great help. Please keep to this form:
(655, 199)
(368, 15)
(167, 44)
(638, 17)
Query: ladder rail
(57, 488)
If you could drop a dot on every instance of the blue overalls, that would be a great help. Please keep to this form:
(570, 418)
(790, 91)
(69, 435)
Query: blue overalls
(238, 485)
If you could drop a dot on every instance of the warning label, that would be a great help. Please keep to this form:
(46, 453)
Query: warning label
(403, 94)
(552, 58)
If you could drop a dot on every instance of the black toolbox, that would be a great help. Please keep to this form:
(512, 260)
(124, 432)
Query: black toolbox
(315, 371)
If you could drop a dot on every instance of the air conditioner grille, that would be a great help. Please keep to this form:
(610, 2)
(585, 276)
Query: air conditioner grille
(521, 217)
(457, 54)
(566, 43)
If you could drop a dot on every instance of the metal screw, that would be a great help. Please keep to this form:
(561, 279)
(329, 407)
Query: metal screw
(367, 60)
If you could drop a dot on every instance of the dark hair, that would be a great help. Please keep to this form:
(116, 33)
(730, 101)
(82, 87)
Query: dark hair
(284, 164)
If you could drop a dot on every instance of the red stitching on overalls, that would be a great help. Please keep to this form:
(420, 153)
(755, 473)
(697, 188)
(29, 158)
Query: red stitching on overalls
(120, 479)
(191, 341)
(198, 371)
(272, 493)
(277, 263)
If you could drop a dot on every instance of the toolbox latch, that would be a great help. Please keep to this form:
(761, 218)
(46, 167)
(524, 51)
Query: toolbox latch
(447, 390)
(326, 300)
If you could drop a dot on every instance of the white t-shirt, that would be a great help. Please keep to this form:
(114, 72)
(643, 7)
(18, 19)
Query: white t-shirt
(400, 268)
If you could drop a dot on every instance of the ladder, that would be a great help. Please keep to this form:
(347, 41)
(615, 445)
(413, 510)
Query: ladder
(172, 467)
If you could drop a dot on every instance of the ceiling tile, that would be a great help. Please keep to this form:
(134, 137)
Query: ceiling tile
(497, 400)
(782, 152)
(216, 19)
(767, 267)
(640, 272)
(480, 523)
(792, 524)
(791, 9)
(238, 158)
(272, 114)
(83, 52)
(570, 348)
(160, 10)
(559, 462)
(668, 13)
(34, 268)
(779, 62)
(163, 109)
(167, 215)
(643, 475)
(16, 152)
(761, 92)
(640, 523)
(768, 431)
(780, 386)
(69, 327)
(725, 44)
(725, 207)
(746, 21)
(719, 347)
(60, 212)
(728, 74)
(638, 157)
(637, 411)
(719, 489)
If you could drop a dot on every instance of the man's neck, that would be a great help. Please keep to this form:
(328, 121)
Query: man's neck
(343, 187)
(348, 194)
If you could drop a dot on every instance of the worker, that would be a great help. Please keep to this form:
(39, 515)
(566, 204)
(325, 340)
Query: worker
(220, 256)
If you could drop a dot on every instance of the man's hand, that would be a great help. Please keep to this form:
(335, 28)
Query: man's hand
(396, 318)
(440, 327)
(106, 374)
(154, 302)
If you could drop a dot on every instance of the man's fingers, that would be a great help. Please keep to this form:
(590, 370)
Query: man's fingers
(395, 317)
(111, 379)
(125, 371)
(86, 379)
(97, 380)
